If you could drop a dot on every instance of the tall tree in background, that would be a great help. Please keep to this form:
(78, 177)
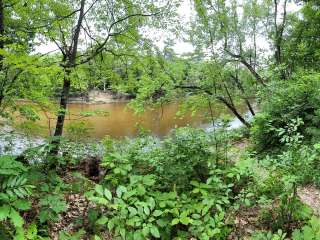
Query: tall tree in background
(221, 33)
(98, 26)
(303, 41)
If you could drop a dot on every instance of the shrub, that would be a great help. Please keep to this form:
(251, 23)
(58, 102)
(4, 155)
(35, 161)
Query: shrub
(168, 189)
(289, 108)
(137, 210)
(183, 156)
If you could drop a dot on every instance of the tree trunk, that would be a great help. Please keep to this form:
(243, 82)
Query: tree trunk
(70, 60)
(62, 113)
(63, 104)
(248, 66)
(250, 107)
(230, 106)
(279, 36)
(1, 99)
(1, 30)
(1, 47)
(240, 87)
(253, 71)
(233, 109)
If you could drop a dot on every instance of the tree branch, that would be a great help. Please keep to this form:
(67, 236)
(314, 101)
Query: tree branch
(102, 45)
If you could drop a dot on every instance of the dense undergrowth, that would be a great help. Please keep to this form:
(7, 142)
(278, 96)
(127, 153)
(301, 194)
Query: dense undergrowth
(192, 184)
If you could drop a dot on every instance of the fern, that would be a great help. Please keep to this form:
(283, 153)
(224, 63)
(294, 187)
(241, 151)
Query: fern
(16, 187)
(9, 166)
(13, 184)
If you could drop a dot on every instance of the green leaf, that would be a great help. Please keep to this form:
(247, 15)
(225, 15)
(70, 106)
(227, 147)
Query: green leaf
(175, 221)
(123, 233)
(110, 225)
(59, 207)
(108, 194)
(138, 235)
(154, 231)
(307, 233)
(102, 221)
(132, 211)
(32, 231)
(43, 216)
(148, 180)
(16, 219)
(19, 234)
(99, 189)
(146, 210)
(96, 237)
(22, 204)
(152, 203)
(141, 190)
(120, 190)
(185, 220)
(157, 213)
(4, 212)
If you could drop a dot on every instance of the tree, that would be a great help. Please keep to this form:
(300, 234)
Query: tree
(19, 69)
(302, 41)
(220, 33)
(104, 25)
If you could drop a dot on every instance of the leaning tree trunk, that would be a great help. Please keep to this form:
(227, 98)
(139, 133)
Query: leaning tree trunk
(241, 88)
(234, 110)
(230, 104)
(62, 113)
(70, 63)
(63, 104)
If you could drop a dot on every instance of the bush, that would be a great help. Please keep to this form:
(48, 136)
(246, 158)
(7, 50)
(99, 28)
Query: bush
(292, 110)
(138, 210)
(168, 189)
(183, 156)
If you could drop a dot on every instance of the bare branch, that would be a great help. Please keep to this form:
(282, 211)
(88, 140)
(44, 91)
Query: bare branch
(247, 65)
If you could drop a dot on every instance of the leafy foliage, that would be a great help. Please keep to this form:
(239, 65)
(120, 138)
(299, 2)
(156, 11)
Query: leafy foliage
(13, 197)
(134, 204)
(291, 115)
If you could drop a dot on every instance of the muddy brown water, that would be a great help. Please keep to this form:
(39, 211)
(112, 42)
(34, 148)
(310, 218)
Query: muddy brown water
(121, 121)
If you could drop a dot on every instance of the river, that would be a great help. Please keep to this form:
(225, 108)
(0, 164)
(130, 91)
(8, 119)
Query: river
(121, 121)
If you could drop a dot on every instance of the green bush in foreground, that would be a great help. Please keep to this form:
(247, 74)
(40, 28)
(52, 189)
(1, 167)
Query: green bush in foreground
(183, 156)
(135, 204)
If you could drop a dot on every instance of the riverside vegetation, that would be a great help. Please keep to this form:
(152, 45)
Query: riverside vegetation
(242, 183)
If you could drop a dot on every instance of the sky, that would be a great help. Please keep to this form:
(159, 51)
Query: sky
(159, 37)
(185, 12)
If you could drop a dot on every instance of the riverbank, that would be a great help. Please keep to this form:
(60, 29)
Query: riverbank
(100, 97)
(15, 143)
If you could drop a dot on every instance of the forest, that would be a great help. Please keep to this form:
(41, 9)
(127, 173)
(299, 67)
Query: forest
(159, 119)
